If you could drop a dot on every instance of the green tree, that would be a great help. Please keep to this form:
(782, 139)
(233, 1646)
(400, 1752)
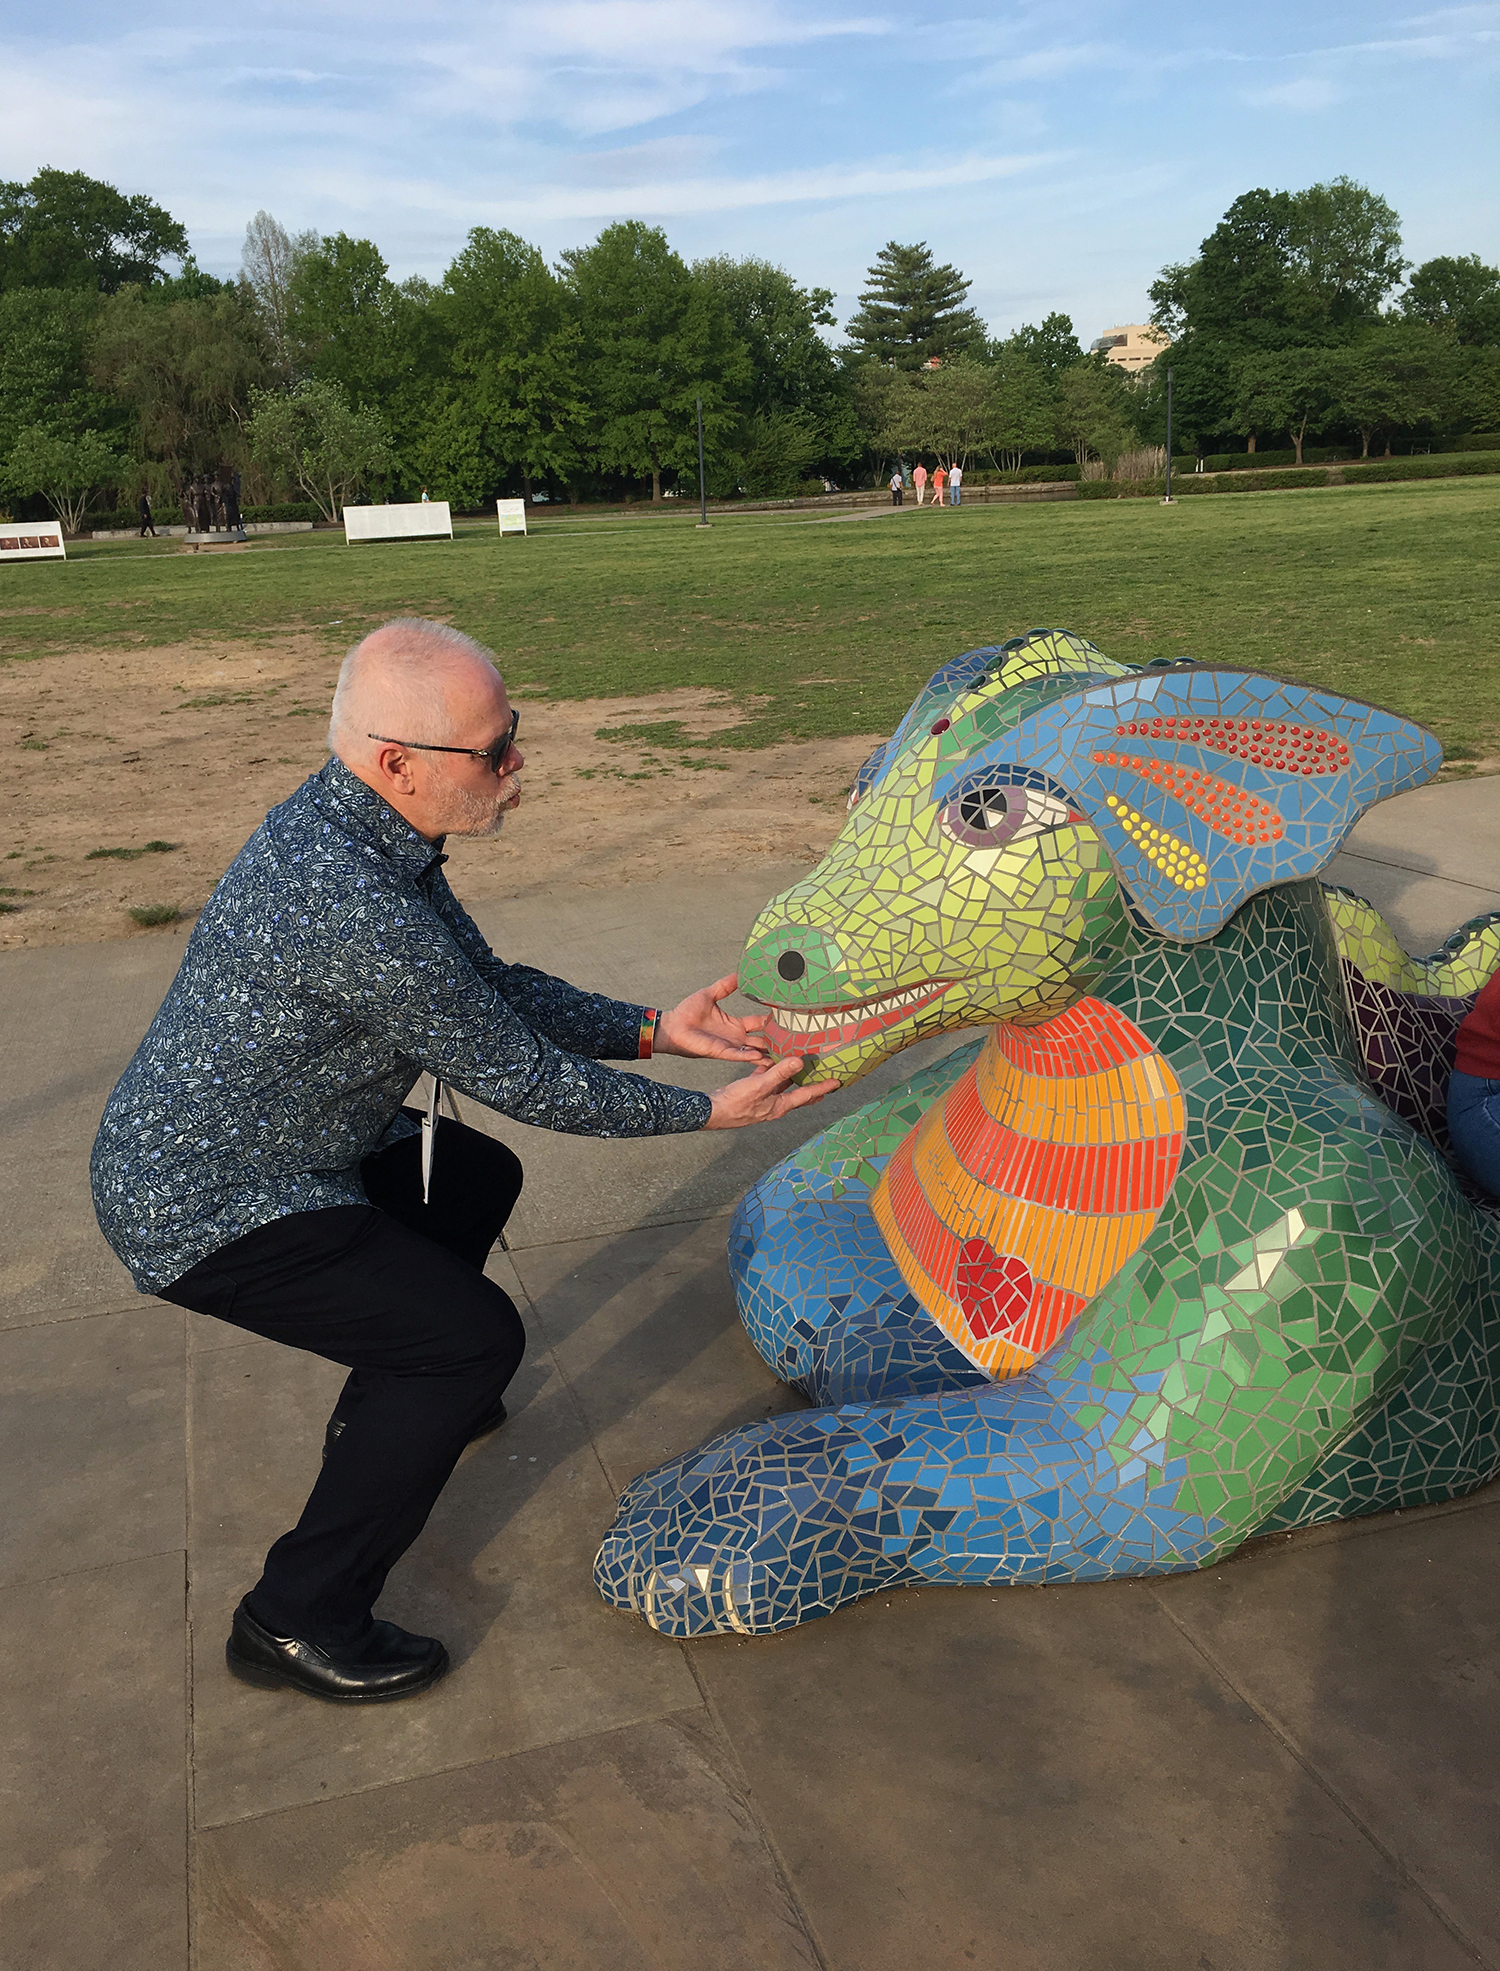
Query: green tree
(655, 338)
(1023, 407)
(65, 468)
(349, 323)
(44, 333)
(313, 438)
(513, 398)
(1050, 349)
(1093, 415)
(793, 372)
(955, 410)
(913, 310)
(185, 370)
(65, 229)
(1345, 243)
(1288, 390)
(1459, 295)
(1281, 270)
(1239, 286)
(1397, 378)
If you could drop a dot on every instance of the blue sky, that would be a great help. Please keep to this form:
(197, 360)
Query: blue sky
(1058, 155)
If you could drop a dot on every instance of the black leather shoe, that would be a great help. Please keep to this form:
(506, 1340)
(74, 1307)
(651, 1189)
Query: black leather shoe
(490, 1421)
(389, 1663)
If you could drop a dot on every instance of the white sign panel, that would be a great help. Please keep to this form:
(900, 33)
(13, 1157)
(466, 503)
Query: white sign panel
(397, 523)
(512, 515)
(31, 540)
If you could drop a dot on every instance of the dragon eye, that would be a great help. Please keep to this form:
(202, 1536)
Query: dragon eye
(987, 815)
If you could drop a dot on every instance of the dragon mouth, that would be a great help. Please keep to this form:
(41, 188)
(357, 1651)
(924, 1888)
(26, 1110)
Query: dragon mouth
(818, 1030)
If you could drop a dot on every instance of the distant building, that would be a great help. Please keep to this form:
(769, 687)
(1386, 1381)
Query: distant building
(1132, 346)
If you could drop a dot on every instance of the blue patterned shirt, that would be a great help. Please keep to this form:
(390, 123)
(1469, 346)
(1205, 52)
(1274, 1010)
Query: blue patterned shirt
(330, 967)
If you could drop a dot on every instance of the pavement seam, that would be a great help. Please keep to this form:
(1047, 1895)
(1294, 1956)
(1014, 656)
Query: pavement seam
(20, 1581)
(747, 1793)
(1294, 1751)
(416, 1777)
(189, 1409)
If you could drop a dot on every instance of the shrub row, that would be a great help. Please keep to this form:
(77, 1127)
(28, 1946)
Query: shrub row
(1377, 472)
(170, 515)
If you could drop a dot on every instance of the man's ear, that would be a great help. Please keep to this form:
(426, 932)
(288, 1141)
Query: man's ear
(1209, 784)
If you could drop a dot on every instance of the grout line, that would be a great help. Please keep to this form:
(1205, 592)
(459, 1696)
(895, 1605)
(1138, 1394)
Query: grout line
(773, 1847)
(1294, 1751)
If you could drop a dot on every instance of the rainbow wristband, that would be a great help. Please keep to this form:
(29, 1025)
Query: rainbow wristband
(648, 1033)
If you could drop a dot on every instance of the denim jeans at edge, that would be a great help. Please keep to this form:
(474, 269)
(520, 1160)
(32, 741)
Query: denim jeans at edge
(395, 1291)
(1474, 1125)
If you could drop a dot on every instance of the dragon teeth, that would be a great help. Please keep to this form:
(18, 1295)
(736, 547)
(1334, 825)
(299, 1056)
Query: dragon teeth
(823, 1018)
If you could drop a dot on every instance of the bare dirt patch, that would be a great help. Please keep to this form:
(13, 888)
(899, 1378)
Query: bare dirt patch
(188, 746)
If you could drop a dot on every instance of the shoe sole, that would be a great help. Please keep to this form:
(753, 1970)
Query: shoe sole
(262, 1678)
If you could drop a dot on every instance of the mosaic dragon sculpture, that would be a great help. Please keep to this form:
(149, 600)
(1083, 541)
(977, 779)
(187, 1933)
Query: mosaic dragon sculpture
(1172, 1255)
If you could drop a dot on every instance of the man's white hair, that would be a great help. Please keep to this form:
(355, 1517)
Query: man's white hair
(395, 682)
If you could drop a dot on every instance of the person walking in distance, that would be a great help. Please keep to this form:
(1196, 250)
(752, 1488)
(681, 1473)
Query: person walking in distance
(896, 487)
(148, 525)
(956, 486)
(938, 478)
(255, 1161)
(919, 480)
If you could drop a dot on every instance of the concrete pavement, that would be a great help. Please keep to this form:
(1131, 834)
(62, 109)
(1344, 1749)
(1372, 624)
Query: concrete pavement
(1289, 1761)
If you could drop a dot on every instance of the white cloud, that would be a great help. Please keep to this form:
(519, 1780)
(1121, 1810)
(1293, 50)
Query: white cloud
(1307, 92)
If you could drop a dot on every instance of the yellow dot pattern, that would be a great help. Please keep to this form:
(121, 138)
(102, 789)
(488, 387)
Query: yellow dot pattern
(1177, 860)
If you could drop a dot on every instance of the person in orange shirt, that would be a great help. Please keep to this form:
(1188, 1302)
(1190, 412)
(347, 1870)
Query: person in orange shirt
(939, 479)
(1474, 1091)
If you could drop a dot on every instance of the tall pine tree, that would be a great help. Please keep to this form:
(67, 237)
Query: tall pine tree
(913, 310)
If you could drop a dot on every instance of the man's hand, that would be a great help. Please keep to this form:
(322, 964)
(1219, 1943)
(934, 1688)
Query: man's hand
(700, 1026)
(764, 1095)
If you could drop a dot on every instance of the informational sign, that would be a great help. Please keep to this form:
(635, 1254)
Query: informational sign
(512, 516)
(397, 523)
(31, 540)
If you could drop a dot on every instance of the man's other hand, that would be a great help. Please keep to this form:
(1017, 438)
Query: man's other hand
(764, 1095)
(700, 1026)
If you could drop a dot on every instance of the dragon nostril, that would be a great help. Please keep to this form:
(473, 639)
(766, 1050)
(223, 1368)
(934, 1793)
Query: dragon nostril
(791, 964)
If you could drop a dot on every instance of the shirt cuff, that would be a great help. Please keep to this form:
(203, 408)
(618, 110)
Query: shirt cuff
(649, 1020)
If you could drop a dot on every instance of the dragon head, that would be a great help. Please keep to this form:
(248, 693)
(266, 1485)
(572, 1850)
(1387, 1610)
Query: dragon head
(1039, 807)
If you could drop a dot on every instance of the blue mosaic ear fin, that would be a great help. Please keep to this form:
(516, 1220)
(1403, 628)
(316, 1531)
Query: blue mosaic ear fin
(1209, 784)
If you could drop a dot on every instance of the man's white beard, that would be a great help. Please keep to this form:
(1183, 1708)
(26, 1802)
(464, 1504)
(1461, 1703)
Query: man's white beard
(470, 814)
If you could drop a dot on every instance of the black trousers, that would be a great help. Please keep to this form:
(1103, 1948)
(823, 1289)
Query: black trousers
(395, 1290)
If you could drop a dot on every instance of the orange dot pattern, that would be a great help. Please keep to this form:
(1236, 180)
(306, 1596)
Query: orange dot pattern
(1265, 742)
(1227, 809)
(1177, 860)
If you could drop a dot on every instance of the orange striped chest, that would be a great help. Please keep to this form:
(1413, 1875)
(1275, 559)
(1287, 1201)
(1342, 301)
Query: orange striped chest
(1018, 1197)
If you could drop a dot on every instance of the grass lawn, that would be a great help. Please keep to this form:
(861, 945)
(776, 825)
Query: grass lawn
(1387, 593)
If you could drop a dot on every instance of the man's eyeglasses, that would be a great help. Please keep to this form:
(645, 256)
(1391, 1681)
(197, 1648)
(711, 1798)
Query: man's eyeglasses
(494, 754)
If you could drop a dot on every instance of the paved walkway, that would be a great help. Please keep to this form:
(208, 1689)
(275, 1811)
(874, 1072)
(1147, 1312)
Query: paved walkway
(1287, 1762)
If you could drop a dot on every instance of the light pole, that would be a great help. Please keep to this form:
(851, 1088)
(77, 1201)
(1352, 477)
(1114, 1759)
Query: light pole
(703, 520)
(1169, 501)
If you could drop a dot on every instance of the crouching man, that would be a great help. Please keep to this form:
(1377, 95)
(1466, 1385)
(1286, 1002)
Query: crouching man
(255, 1163)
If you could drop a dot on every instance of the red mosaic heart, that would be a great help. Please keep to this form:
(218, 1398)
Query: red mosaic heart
(993, 1289)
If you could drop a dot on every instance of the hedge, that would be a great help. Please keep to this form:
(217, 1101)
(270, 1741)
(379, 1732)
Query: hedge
(1376, 472)
(170, 515)
(1451, 465)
